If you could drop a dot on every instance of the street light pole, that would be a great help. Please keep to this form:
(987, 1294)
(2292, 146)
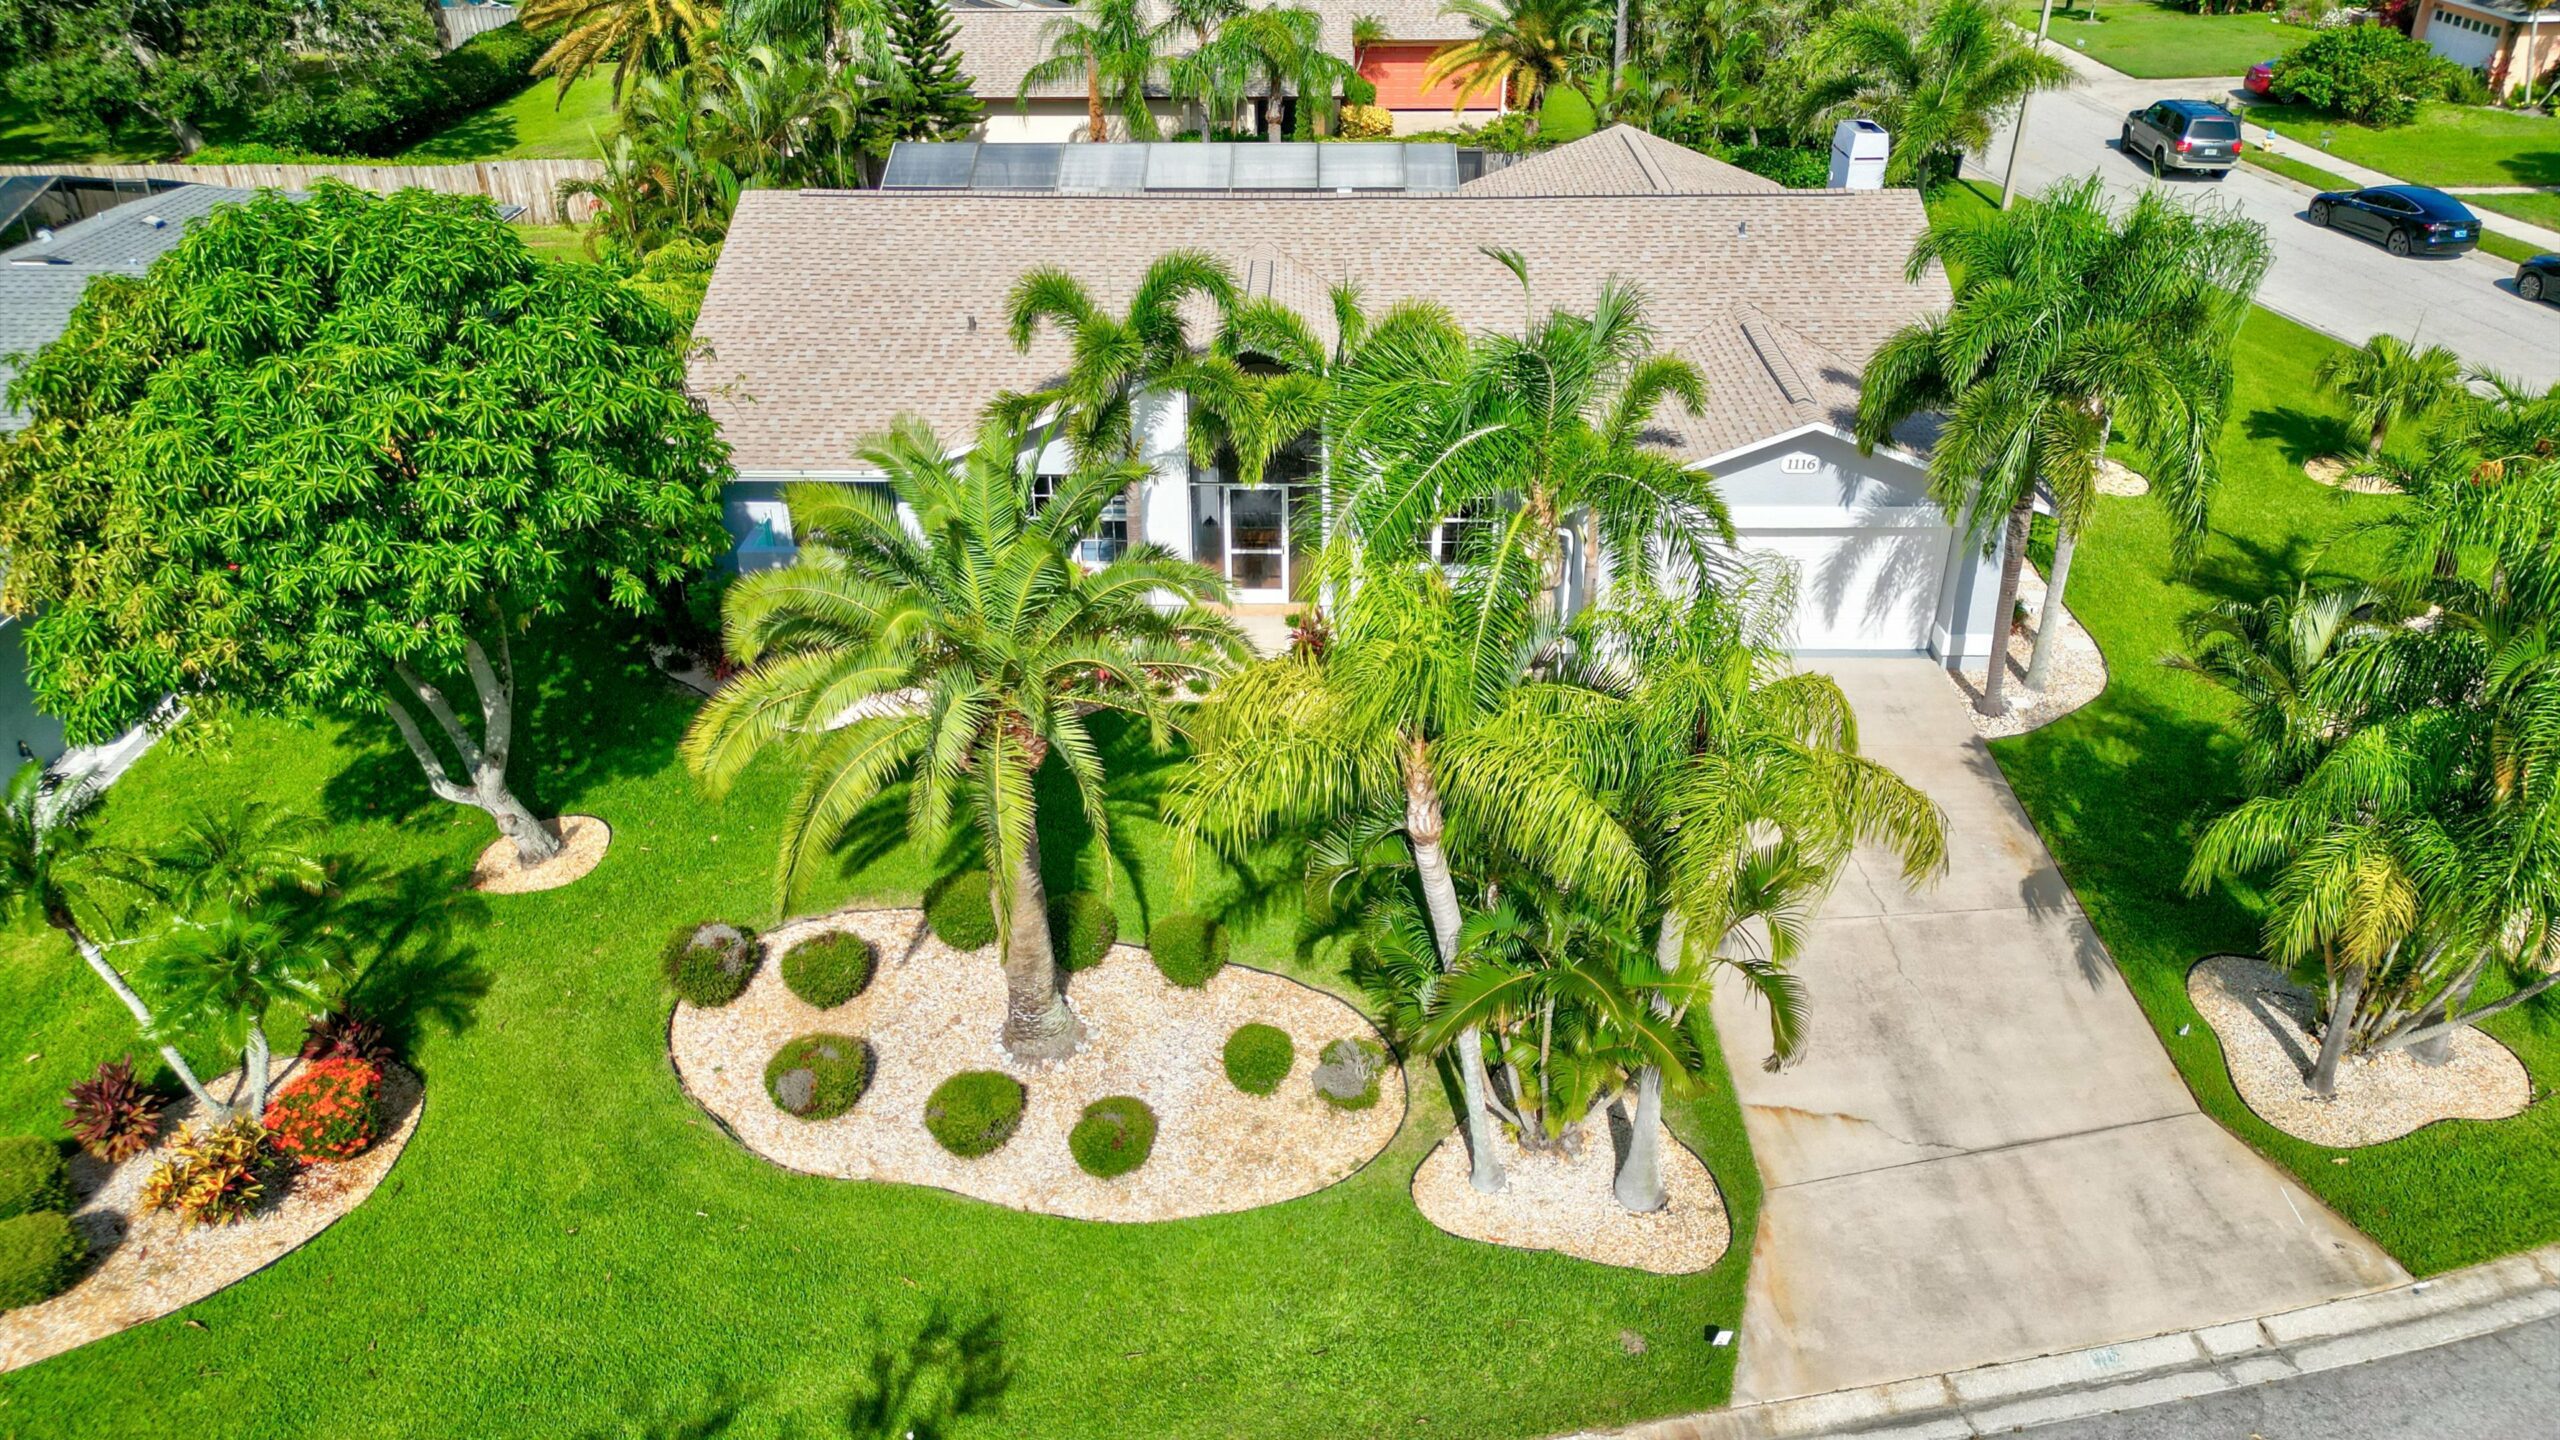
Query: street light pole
(2018, 132)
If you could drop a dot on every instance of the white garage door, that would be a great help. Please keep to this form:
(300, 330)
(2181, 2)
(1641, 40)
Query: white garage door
(1861, 589)
(2466, 40)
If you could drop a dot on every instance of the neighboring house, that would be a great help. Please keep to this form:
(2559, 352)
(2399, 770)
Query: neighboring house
(1000, 45)
(809, 343)
(2510, 41)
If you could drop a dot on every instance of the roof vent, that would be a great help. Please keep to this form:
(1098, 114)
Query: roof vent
(155, 222)
(1858, 152)
(44, 234)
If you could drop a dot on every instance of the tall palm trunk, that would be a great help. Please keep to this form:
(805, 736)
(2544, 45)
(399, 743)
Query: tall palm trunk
(256, 1065)
(2013, 554)
(1096, 127)
(1423, 826)
(106, 970)
(1038, 1026)
(2348, 993)
(2049, 615)
(1639, 1185)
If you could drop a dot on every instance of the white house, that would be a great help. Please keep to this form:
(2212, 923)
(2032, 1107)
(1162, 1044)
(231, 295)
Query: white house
(833, 312)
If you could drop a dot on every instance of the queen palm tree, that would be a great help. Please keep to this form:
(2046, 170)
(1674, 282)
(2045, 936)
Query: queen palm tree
(1521, 49)
(1110, 47)
(636, 35)
(1935, 73)
(1201, 74)
(957, 657)
(1283, 46)
(2278, 659)
(225, 976)
(2386, 381)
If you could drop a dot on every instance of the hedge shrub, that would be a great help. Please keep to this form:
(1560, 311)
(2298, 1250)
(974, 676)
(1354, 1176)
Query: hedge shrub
(1114, 1136)
(1082, 929)
(32, 1177)
(960, 910)
(710, 964)
(1258, 1058)
(330, 1110)
(1189, 949)
(974, 1112)
(40, 1254)
(2370, 74)
(818, 1077)
(827, 970)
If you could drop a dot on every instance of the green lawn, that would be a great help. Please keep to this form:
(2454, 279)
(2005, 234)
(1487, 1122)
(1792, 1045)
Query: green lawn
(555, 242)
(537, 124)
(570, 1248)
(2119, 788)
(1565, 115)
(2447, 145)
(2540, 208)
(27, 138)
(2155, 42)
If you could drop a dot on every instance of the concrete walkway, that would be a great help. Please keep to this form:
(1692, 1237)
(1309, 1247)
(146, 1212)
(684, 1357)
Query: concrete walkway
(1987, 1156)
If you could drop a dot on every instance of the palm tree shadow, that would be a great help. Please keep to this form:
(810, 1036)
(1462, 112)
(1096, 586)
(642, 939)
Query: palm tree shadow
(953, 1367)
(2304, 434)
(418, 969)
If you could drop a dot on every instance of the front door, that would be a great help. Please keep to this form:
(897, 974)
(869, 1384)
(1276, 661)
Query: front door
(1258, 543)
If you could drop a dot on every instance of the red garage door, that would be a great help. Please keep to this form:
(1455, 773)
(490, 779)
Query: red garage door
(1397, 70)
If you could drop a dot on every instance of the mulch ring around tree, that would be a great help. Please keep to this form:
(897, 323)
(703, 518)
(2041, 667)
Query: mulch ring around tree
(930, 1013)
(2263, 1020)
(2340, 473)
(1566, 1202)
(142, 1267)
(2118, 479)
(583, 839)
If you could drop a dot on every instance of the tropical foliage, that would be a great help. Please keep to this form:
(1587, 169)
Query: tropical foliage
(1936, 74)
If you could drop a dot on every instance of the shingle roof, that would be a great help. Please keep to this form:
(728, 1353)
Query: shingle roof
(1621, 160)
(833, 312)
(42, 280)
(998, 47)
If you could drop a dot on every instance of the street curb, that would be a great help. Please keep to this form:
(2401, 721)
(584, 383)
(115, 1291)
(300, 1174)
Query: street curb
(2180, 1365)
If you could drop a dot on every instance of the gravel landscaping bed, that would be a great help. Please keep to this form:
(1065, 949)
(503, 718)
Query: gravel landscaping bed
(583, 839)
(2348, 475)
(145, 1266)
(2263, 1020)
(2076, 676)
(1554, 1201)
(930, 1013)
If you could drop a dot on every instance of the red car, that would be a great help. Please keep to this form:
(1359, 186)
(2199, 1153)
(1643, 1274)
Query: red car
(2261, 78)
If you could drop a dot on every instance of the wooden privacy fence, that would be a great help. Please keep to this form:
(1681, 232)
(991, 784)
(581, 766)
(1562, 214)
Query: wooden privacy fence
(457, 23)
(533, 184)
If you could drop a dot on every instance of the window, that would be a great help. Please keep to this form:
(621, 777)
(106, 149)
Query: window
(1457, 538)
(1110, 538)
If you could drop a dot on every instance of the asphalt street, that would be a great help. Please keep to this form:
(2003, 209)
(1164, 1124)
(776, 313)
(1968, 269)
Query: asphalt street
(2332, 282)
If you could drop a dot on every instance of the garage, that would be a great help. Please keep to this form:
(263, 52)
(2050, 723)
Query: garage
(2466, 39)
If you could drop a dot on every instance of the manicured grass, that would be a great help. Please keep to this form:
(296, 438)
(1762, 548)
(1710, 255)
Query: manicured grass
(2540, 208)
(2446, 146)
(1564, 115)
(538, 123)
(2118, 790)
(555, 242)
(570, 1247)
(2505, 247)
(28, 138)
(2155, 42)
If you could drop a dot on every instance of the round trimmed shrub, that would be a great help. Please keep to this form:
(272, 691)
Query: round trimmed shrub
(960, 909)
(710, 964)
(1259, 1057)
(1082, 929)
(974, 1112)
(1114, 1136)
(40, 1254)
(1189, 949)
(818, 1077)
(32, 1177)
(827, 970)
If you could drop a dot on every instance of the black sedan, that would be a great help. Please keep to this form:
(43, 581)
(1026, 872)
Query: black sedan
(2539, 278)
(2406, 219)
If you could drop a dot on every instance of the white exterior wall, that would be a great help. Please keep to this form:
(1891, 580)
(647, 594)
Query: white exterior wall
(1056, 121)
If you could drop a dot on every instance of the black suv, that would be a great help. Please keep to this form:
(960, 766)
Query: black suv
(2184, 135)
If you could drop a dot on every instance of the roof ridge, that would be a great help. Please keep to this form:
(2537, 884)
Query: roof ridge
(1644, 162)
(1766, 341)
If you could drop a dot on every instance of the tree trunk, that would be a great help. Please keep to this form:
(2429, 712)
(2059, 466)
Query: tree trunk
(1038, 1026)
(483, 761)
(115, 981)
(2013, 549)
(1097, 129)
(2437, 1049)
(2349, 991)
(1422, 827)
(1272, 129)
(254, 1064)
(1618, 49)
(2427, 1034)
(1639, 1185)
(2049, 614)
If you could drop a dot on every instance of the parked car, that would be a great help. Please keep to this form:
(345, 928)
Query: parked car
(2406, 219)
(2261, 79)
(2184, 135)
(2539, 278)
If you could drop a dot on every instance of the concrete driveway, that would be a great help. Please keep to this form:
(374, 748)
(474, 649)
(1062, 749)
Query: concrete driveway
(1987, 1156)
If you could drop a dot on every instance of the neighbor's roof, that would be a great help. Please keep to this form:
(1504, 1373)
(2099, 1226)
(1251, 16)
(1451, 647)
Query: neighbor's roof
(42, 280)
(1621, 160)
(833, 312)
(998, 47)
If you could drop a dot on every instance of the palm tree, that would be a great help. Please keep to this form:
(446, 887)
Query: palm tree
(957, 657)
(2386, 381)
(1202, 74)
(225, 976)
(1284, 46)
(1521, 49)
(637, 35)
(1109, 46)
(2276, 657)
(1935, 73)
(51, 869)
(241, 854)
(784, 119)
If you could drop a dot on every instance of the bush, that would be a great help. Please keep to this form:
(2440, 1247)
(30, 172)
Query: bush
(1189, 949)
(213, 1176)
(1113, 1137)
(1259, 1057)
(330, 1110)
(259, 152)
(960, 910)
(1082, 929)
(827, 970)
(491, 66)
(1346, 1075)
(112, 1115)
(32, 1177)
(974, 1112)
(349, 1034)
(1795, 167)
(39, 1255)
(818, 1077)
(1359, 90)
(710, 964)
(2366, 73)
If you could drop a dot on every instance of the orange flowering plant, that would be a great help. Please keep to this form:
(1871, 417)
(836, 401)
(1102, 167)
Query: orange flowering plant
(328, 1112)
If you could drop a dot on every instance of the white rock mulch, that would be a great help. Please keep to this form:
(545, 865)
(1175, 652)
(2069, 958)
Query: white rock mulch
(2264, 1022)
(2075, 677)
(1552, 1201)
(930, 1013)
(583, 839)
(2339, 473)
(145, 1266)
(2117, 479)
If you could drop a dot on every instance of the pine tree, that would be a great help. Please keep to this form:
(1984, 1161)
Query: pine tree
(932, 99)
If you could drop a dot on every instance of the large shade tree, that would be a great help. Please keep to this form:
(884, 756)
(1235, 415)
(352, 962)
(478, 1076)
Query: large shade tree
(337, 454)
